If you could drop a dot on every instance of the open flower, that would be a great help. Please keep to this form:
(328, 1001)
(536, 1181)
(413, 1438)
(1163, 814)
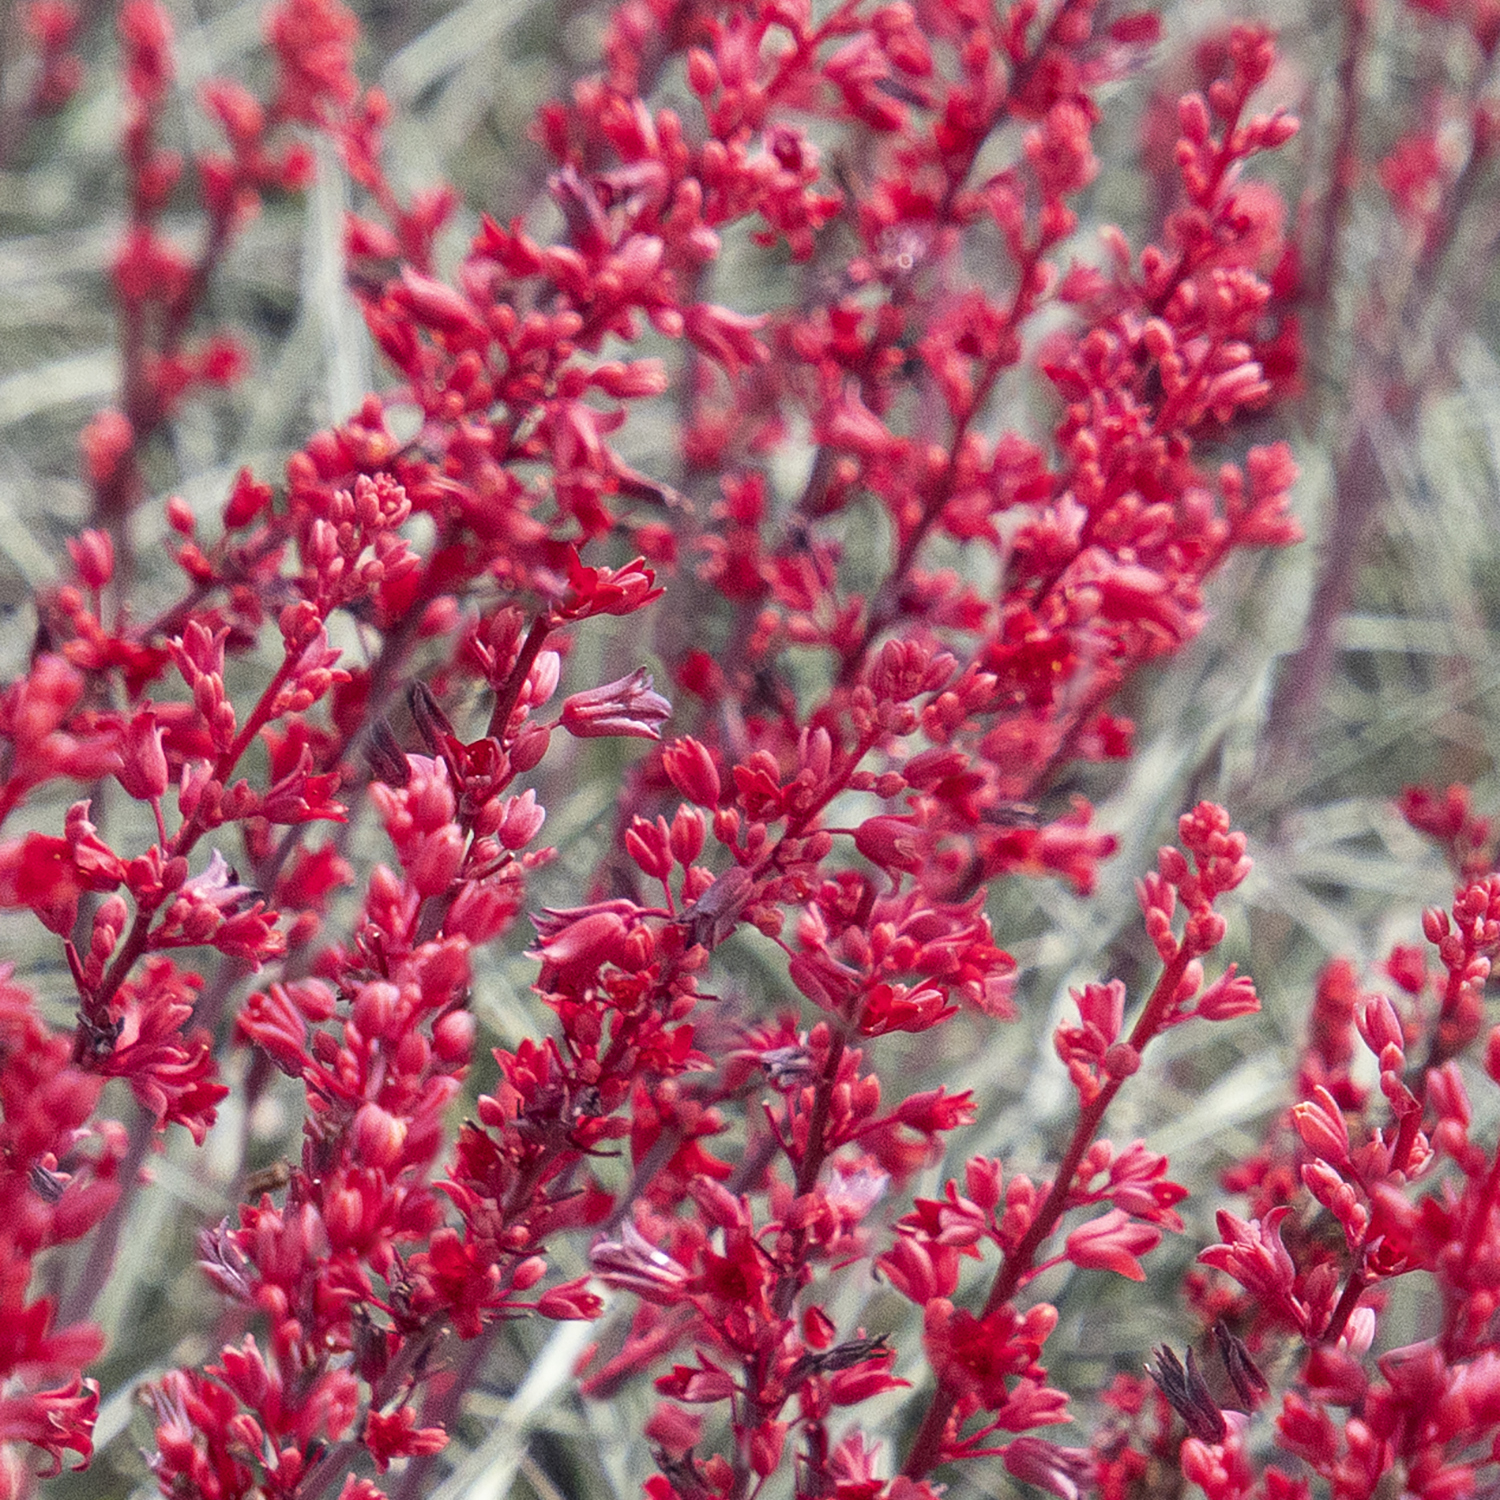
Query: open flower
(626, 707)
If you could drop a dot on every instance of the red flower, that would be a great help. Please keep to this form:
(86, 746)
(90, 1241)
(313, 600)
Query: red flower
(53, 1421)
(1112, 1242)
(37, 874)
(396, 1435)
(607, 591)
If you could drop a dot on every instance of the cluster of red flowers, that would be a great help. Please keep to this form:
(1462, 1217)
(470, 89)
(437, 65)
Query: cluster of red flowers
(861, 737)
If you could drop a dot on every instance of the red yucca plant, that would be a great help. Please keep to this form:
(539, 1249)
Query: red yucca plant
(404, 1095)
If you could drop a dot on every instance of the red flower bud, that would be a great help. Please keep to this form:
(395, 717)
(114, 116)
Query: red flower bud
(143, 763)
(93, 554)
(692, 771)
(586, 944)
(1111, 1243)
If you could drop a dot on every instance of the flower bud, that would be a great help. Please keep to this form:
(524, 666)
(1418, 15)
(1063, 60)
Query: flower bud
(528, 747)
(143, 763)
(93, 554)
(691, 769)
(378, 1137)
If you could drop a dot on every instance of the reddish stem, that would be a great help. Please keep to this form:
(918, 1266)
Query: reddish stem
(1354, 1289)
(1018, 1264)
(96, 1006)
(506, 698)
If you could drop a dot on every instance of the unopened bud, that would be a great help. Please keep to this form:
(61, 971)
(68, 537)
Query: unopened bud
(93, 555)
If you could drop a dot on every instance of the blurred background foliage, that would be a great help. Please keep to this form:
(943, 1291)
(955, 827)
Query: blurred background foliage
(1327, 677)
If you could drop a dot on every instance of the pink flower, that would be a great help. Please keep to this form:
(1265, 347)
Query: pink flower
(1112, 1242)
(633, 1263)
(626, 707)
(1060, 1471)
(1253, 1254)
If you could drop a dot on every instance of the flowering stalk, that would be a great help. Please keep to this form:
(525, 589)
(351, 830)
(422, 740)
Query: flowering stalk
(1099, 1063)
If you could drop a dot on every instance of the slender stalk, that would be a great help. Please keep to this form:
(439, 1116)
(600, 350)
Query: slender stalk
(926, 1451)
